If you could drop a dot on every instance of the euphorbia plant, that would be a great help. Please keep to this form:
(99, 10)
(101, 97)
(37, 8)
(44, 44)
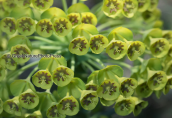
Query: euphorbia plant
(72, 46)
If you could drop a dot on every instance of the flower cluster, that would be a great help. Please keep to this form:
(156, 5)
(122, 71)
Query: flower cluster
(86, 39)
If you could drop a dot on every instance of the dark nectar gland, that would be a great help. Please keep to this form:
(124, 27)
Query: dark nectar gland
(117, 47)
(43, 77)
(134, 48)
(26, 24)
(113, 5)
(61, 74)
(108, 87)
(68, 104)
(97, 42)
(28, 98)
(79, 44)
(126, 85)
(88, 99)
(61, 25)
(10, 24)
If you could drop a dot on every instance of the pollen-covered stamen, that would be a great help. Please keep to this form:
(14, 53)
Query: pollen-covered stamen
(126, 85)
(46, 26)
(73, 19)
(9, 23)
(108, 88)
(9, 60)
(43, 77)
(125, 105)
(21, 50)
(156, 78)
(54, 111)
(159, 46)
(79, 43)
(41, 2)
(87, 19)
(97, 42)
(26, 24)
(28, 98)
(144, 87)
(61, 74)
(117, 47)
(128, 6)
(68, 104)
(61, 25)
(113, 5)
(88, 99)
(134, 48)
(91, 87)
(13, 106)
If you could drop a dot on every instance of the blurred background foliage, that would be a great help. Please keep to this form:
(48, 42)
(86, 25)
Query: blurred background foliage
(158, 108)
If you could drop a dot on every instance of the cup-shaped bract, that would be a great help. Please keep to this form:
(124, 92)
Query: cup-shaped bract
(53, 112)
(4, 91)
(153, 5)
(168, 86)
(20, 53)
(3, 12)
(109, 89)
(88, 18)
(9, 5)
(129, 8)
(168, 68)
(52, 13)
(98, 43)
(19, 86)
(74, 18)
(151, 16)
(29, 99)
(121, 33)
(92, 87)
(44, 28)
(116, 49)
(167, 35)
(62, 26)
(62, 75)
(79, 46)
(170, 51)
(156, 80)
(112, 8)
(68, 106)
(42, 79)
(107, 102)
(124, 106)
(1, 106)
(78, 8)
(127, 86)
(86, 30)
(52, 63)
(159, 47)
(26, 26)
(23, 3)
(8, 25)
(2, 72)
(143, 5)
(36, 114)
(7, 62)
(135, 49)
(143, 90)
(139, 105)
(42, 4)
(89, 99)
(12, 106)
(153, 33)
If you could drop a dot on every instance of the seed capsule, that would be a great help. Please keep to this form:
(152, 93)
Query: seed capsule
(79, 46)
(62, 26)
(42, 79)
(44, 28)
(62, 76)
(8, 25)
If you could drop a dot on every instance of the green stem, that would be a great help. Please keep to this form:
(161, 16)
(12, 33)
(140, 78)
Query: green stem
(118, 63)
(17, 72)
(94, 64)
(88, 66)
(64, 5)
(50, 47)
(31, 73)
(100, 17)
(61, 51)
(140, 59)
(74, 1)
(44, 40)
(73, 63)
(96, 59)
(148, 52)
